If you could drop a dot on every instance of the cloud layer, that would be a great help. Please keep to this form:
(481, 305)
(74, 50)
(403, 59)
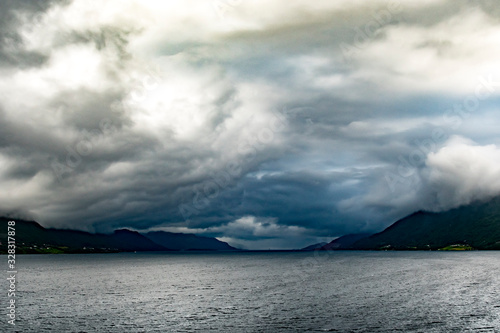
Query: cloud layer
(282, 122)
(462, 172)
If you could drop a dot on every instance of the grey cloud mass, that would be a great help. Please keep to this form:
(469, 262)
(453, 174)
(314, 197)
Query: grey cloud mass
(267, 124)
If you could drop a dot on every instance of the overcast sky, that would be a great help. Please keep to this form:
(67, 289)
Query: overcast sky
(267, 124)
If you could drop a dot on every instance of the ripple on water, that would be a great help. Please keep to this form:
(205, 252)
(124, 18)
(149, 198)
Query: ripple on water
(260, 292)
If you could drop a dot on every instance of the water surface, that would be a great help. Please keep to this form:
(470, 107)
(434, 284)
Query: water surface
(259, 292)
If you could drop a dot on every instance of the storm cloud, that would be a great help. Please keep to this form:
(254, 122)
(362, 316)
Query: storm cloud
(268, 124)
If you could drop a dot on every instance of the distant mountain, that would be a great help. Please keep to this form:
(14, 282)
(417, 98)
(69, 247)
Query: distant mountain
(344, 242)
(475, 226)
(31, 237)
(313, 247)
(187, 242)
(126, 240)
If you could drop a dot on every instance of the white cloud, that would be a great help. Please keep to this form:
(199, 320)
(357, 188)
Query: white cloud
(446, 57)
(462, 172)
(187, 91)
(244, 232)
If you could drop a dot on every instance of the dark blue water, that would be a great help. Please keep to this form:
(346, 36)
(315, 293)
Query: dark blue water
(258, 292)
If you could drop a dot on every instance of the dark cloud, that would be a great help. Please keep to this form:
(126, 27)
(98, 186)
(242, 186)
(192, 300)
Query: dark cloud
(266, 129)
(10, 40)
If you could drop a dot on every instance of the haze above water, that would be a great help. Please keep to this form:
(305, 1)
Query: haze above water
(259, 292)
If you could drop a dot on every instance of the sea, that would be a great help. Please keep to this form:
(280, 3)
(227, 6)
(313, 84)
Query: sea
(338, 291)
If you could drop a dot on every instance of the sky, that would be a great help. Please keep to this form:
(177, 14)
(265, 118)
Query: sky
(269, 124)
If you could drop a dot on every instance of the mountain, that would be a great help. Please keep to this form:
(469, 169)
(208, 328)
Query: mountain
(344, 242)
(179, 241)
(31, 237)
(313, 247)
(126, 240)
(474, 226)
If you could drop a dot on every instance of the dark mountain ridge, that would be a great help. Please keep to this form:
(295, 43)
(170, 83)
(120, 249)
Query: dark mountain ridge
(187, 242)
(31, 237)
(313, 247)
(344, 242)
(473, 226)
